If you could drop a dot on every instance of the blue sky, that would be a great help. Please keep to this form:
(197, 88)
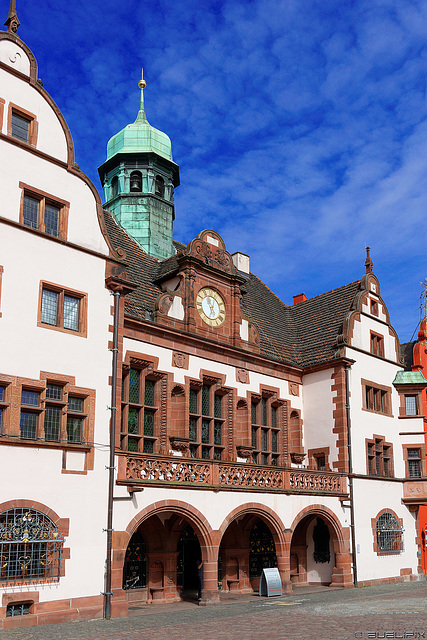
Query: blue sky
(300, 127)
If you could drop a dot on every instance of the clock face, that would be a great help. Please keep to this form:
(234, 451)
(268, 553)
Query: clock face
(211, 307)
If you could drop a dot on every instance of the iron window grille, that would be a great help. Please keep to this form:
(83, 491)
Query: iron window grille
(30, 547)
(389, 533)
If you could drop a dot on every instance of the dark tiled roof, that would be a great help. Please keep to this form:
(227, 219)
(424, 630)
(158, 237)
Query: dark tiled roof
(141, 270)
(319, 320)
(303, 334)
(407, 354)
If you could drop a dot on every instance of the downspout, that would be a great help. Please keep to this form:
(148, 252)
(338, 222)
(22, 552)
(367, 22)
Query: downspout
(350, 473)
(107, 593)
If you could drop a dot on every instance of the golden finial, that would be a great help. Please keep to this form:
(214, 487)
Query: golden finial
(142, 84)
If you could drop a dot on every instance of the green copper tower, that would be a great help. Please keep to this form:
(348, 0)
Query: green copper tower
(138, 178)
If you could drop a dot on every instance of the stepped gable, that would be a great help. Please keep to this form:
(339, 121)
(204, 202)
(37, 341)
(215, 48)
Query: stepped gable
(319, 321)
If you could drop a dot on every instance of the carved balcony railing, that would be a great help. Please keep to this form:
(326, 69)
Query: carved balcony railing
(148, 469)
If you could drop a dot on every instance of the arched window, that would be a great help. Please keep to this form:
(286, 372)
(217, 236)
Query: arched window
(30, 547)
(160, 187)
(114, 187)
(389, 533)
(135, 181)
(135, 565)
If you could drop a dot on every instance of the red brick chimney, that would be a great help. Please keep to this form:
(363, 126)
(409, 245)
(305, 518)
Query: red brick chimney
(300, 298)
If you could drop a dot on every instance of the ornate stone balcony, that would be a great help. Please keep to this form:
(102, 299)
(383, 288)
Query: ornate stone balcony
(136, 470)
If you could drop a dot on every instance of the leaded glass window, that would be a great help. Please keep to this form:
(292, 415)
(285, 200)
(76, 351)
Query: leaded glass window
(30, 212)
(28, 425)
(49, 306)
(71, 313)
(20, 127)
(54, 392)
(74, 429)
(30, 547)
(414, 463)
(411, 405)
(138, 423)
(205, 429)
(52, 423)
(30, 397)
(205, 401)
(51, 220)
(264, 438)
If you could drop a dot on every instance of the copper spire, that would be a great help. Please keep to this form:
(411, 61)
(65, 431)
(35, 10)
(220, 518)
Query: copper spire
(12, 23)
(368, 263)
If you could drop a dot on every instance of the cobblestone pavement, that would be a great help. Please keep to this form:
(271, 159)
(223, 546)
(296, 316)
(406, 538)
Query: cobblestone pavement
(388, 611)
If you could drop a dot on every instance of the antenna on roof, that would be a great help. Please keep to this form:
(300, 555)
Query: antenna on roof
(12, 23)
(368, 262)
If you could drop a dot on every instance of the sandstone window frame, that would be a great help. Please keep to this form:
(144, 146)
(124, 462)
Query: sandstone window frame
(141, 419)
(44, 201)
(376, 398)
(207, 421)
(24, 115)
(412, 461)
(387, 530)
(265, 425)
(64, 295)
(379, 457)
(14, 402)
(377, 344)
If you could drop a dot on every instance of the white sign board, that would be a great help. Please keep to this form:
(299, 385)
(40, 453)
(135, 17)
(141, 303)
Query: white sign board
(270, 584)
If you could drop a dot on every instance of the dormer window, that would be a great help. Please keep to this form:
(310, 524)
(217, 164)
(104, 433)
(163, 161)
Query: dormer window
(114, 187)
(160, 187)
(135, 181)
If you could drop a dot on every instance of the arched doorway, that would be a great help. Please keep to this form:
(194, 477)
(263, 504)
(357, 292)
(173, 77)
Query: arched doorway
(320, 549)
(172, 536)
(189, 557)
(250, 543)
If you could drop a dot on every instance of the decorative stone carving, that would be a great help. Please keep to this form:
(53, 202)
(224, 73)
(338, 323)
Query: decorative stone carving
(210, 255)
(242, 376)
(297, 457)
(293, 389)
(164, 303)
(180, 444)
(180, 360)
(244, 451)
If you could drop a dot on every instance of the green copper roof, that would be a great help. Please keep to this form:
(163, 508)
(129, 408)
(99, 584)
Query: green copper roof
(140, 137)
(409, 377)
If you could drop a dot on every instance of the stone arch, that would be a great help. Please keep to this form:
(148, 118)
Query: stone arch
(197, 520)
(340, 536)
(234, 542)
(264, 513)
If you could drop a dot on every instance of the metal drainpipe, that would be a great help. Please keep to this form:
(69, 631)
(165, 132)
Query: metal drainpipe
(107, 594)
(350, 472)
